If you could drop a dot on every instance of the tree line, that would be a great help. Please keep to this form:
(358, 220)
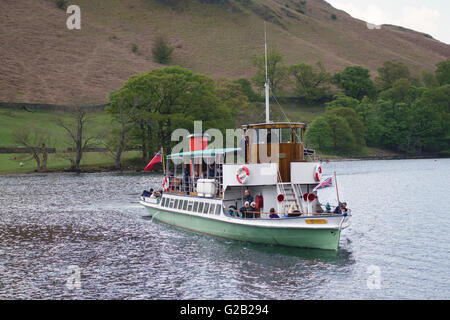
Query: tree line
(397, 111)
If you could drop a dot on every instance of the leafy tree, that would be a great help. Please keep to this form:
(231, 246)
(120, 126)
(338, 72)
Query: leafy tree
(167, 99)
(443, 72)
(391, 72)
(356, 126)
(341, 134)
(162, 52)
(319, 135)
(341, 100)
(429, 79)
(402, 91)
(246, 88)
(310, 84)
(61, 4)
(276, 71)
(355, 81)
(231, 95)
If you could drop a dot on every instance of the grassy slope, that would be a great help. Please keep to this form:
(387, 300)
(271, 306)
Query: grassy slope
(54, 65)
(12, 119)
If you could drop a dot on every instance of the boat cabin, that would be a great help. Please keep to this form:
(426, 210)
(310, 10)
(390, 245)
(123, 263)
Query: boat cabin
(270, 164)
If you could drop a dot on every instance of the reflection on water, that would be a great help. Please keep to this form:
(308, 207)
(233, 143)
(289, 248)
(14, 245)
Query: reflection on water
(49, 223)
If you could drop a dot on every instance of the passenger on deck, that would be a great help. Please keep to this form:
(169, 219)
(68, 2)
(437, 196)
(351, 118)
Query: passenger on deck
(211, 171)
(243, 210)
(186, 175)
(318, 207)
(293, 211)
(273, 215)
(344, 208)
(247, 196)
(251, 211)
(341, 208)
(196, 177)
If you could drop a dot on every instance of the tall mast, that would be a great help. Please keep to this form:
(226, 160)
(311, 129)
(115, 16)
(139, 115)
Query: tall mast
(266, 85)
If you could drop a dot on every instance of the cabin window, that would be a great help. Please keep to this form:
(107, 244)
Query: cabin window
(298, 132)
(273, 136)
(163, 202)
(185, 205)
(286, 135)
(195, 206)
(262, 135)
(206, 207)
(171, 201)
(180, 205)
(176, 204)
(200, 207)
(211, 208)
(218, 209)
(190, 205)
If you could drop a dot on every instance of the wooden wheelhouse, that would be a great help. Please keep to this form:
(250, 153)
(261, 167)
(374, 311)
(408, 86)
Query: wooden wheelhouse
(279, 143)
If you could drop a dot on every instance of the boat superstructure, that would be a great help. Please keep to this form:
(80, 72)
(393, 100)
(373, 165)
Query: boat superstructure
(262, 190)
(206, 192)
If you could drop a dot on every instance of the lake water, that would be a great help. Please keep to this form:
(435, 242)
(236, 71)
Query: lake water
(56, 226)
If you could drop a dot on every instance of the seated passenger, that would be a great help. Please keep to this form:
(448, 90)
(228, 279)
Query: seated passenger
(251, 213)
(344, 208)
(146, 193)
(338, 209)
(293, 211)
(273, 215)
(244, 209)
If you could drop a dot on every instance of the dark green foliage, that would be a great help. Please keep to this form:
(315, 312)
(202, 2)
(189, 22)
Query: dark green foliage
(134, 47)
(310, 84)
(391, 72)
(341, 134)
(443, 72)
(404, 117)
(333, 17)
(162, 52)
(247, 89)
(319, 135)
(61, 4)
(355, 81)
(187, 97)
(356, 126)
(429, 79)
(299, 10)
(277, 72)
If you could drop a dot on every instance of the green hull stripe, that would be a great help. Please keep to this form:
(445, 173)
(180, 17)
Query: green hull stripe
(305, 238)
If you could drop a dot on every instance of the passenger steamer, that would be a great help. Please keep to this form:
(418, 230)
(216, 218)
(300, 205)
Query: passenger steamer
(207, 194)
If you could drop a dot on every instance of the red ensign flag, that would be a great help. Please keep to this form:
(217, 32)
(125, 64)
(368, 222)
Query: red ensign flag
(156, 159)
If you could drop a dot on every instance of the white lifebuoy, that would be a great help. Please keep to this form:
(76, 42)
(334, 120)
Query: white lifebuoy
(242, 174)
(318, 173)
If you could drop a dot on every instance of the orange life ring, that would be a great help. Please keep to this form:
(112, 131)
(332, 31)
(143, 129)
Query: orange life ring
(242, 174)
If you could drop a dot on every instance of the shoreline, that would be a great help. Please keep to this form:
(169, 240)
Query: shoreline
(129, 170)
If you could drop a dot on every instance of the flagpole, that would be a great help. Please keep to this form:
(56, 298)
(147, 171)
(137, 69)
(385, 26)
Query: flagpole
(337, 190)
(162, 156)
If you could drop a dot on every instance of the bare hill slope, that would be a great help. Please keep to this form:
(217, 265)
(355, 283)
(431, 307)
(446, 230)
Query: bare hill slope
(42, 61)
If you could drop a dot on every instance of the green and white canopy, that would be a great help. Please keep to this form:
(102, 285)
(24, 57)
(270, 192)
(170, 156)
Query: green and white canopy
(208, 153)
